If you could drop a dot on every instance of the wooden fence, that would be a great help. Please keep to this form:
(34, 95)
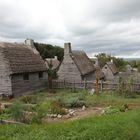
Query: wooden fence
(61, 84)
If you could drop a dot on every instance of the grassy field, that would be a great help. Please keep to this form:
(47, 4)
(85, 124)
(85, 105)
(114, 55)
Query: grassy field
(104, 99)
(110, 126)
(122, 126)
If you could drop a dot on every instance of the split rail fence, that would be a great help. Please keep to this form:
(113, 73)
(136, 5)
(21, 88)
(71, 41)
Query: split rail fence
(102, 86)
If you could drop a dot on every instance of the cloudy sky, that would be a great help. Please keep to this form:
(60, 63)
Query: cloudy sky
(110, 26)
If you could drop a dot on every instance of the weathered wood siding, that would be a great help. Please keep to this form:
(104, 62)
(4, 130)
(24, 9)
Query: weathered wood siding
(5, 80)
(107, 72)
(20, 86)
(68, 70)
(89, 77)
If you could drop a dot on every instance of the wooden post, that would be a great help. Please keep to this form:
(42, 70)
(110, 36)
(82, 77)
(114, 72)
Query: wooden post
(97, 86)
(85, 84)
(64, 84)
(101, 85)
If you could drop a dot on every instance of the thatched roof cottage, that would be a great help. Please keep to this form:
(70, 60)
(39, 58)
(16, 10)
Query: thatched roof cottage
(76, 66)
(22, 69)
(52, 62)
(110, 70)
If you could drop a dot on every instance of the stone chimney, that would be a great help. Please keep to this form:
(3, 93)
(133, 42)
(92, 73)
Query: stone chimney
(55, 57)
(97, 62)
(67, 48)
(29, 42)
(30, 45)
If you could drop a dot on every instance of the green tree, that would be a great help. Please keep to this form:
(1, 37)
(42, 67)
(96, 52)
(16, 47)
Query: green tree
(49, 51)
(52, 74)
(103, 58)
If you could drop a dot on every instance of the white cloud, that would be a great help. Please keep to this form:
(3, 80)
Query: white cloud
(111, 26)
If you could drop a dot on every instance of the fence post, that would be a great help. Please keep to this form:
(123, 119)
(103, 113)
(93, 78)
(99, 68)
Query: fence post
(85, 84)
(101, 86)
(64, 84)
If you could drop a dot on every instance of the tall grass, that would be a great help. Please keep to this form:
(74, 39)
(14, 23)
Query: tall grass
(122, 126)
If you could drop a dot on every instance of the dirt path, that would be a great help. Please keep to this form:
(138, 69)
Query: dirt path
(78, 114)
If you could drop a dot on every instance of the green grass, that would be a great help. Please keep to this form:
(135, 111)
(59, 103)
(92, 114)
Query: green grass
(122, 126)
(104, 99)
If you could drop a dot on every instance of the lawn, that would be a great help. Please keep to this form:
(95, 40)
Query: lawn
(122, 126)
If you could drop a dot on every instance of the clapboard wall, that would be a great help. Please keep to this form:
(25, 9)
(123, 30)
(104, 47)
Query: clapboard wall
(21, 86)
(5, 79)
(68, 70)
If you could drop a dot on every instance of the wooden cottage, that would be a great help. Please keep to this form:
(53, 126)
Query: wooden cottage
(22, 70)
(110, 70)
(53, 63)
(76, 66)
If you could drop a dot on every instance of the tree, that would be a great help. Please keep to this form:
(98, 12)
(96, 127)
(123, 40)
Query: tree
(103, 58)
(49, 51)
(52, 74)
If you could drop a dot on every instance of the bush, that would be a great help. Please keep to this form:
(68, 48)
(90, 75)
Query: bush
(17, 111)
(29, 99)
(73, 102)
(41, 111)
(111, 110)
(56, 108)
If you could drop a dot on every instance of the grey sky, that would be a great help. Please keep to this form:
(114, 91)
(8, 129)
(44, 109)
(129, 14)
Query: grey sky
(110, 26)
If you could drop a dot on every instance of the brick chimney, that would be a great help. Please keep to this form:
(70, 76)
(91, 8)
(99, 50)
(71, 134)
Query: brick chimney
(67, 48)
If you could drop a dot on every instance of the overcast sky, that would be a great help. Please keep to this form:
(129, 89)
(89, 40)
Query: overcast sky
(110, 26)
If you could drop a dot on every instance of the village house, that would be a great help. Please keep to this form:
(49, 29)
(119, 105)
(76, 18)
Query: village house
(110, 70)
(52, 63)
(76, 66)
(22, 70)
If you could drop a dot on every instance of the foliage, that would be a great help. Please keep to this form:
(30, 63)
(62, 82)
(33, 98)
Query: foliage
(120, 126)
(29, 99)
(41, 111)
(126, 87)
(17, 111)
(103, 58)
(56, 108)
(49, 51)
(73, 102)
(52, 74)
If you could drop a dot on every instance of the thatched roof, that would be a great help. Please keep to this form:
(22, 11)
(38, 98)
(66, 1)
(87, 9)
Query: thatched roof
(82, 61)
(52, 61)
(112, 67)
(22, 58)
(99, 72)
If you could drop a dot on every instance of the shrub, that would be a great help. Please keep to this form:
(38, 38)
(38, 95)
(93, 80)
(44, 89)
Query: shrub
(30, 99)
(73, 102)
(56, 108)
(41, 111)
(17, 111)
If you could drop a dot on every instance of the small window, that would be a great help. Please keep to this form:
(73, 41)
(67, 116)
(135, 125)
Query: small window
(26, 76)
(40, 75)
(105, 67)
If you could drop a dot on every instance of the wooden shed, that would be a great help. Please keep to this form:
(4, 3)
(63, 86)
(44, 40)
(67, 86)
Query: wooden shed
(22, 70)
(76, 66)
